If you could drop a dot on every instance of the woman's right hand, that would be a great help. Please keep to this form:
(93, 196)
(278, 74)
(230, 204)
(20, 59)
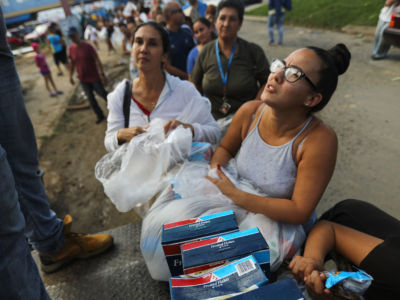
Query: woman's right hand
(126, 134)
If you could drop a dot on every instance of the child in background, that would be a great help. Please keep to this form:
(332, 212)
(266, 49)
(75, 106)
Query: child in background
(40, 60)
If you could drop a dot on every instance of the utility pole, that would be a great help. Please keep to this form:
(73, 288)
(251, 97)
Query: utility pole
(70, 20)
(65, 6)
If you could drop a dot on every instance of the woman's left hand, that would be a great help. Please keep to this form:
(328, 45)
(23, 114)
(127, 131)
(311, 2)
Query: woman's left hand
(302, 267)
(225, 185)
(173, 124)
(315, 284)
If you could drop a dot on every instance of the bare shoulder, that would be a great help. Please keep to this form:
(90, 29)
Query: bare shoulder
(323, 130)
(319, 144)
(245, 116)
(321, 136)
(249, 108)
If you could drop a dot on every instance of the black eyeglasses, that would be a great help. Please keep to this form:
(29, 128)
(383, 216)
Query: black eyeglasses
(291, 73)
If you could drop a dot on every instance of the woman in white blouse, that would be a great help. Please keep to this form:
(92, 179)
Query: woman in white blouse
(156, 94)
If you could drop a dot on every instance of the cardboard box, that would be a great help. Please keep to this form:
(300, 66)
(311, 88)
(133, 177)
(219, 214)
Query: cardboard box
(208, 253)
(177, 233)
(282, 289)
(239, 276)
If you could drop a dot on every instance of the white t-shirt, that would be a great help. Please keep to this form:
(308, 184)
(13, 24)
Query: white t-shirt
(127, 12)
(386, 13)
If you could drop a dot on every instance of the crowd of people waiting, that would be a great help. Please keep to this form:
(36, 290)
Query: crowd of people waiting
(279, 144)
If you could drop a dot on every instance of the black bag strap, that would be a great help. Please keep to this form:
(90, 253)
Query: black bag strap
(127, 102)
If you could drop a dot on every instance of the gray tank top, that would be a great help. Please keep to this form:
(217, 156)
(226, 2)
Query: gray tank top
(270, 168)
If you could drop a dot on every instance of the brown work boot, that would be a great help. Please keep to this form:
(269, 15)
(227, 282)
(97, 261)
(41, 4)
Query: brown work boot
(77, 246)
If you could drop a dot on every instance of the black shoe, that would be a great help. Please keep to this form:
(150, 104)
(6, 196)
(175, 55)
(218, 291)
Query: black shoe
(100, 119)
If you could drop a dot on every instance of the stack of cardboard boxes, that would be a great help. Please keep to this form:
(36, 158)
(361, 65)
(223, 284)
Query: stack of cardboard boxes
(209, 258)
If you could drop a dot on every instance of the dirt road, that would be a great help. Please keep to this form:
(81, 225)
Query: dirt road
(363, 112)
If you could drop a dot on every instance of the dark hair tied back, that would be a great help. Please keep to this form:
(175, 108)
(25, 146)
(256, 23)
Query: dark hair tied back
(341, 57)
(335, 62)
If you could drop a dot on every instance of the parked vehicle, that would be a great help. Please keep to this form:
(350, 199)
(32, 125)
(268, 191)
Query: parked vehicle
(13, 39)
(39, 33)
(392, 33)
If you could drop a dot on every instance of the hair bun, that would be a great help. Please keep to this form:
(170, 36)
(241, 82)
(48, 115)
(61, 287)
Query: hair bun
(341, 57)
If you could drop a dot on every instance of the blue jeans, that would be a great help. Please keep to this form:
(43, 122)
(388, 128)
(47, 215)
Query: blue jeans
(381, 46)
(278, 20)
(19, 276)
(17, 140)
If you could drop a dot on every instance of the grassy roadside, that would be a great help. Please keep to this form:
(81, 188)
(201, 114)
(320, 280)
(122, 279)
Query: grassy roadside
(332, 14)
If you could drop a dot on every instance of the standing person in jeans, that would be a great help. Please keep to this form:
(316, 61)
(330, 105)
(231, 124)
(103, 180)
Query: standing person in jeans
(24, 208)
(381, 46)
(90, 70)
(276, 16)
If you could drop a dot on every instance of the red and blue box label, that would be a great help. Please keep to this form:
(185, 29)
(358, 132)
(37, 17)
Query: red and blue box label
(178, 233)
(236, 277)
(212, 252)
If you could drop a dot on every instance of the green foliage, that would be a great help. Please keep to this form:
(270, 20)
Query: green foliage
(329, 13)
(261, 10)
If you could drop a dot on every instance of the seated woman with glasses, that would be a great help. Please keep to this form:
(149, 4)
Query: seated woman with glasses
(278, 143)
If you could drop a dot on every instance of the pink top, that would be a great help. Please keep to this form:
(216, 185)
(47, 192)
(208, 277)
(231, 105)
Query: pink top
(41, 61)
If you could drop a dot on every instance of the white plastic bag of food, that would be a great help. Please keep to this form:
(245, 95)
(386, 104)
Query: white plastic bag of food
(135, 172)
(191, 195)
(188, 195)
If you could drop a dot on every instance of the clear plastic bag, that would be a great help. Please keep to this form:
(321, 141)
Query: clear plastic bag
(191, 195)
(136, 171)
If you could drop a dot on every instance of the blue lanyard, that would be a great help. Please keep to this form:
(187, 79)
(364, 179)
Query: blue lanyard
(224, 76)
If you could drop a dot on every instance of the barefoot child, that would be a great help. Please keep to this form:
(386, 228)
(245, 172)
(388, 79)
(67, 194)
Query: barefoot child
(40, 60)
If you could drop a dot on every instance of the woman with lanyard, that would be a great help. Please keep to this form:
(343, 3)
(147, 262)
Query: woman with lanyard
(230, 71)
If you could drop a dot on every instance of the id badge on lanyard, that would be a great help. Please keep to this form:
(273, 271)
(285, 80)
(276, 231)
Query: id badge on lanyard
(225, 107)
